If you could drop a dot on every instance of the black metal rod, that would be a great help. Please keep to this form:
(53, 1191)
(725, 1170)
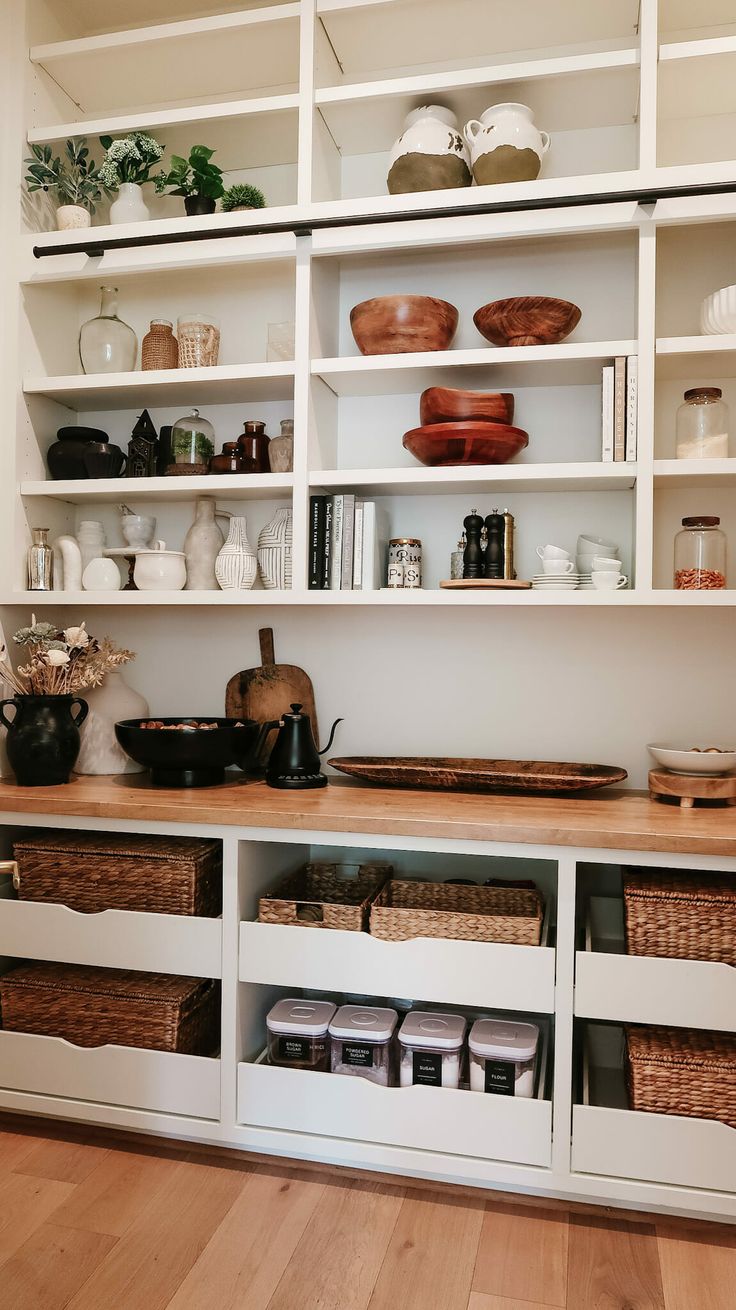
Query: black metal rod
(305, 227)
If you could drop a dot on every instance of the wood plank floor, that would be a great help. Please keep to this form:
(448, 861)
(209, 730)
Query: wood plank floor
(106, 1225)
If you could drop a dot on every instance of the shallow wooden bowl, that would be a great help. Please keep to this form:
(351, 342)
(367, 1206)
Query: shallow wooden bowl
(527, 321)
(469, 442)
(450, 405)
(398, 325)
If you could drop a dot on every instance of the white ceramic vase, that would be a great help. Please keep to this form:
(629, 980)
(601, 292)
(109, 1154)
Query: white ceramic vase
(430, 154)
(236, 566)
(130, 206)
(108, 704)
(274, 551)
(202, 545)
(68, 577)
(69, 217)
(505, 145)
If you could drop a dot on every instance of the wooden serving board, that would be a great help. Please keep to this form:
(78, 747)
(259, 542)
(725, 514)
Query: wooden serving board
(689, 788)
(485, 584)
(267, 691)
(446, 774)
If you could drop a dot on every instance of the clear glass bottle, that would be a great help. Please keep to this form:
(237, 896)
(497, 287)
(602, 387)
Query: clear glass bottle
(159, 348)
(281, 448)
(700, 555)
(40, 562)
(106, 343)
(702, 425)
(193, 440)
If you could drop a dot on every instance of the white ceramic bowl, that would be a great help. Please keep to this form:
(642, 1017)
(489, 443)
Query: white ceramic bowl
(596, 546)
(693, 761)
(603, 565)
(718, 312)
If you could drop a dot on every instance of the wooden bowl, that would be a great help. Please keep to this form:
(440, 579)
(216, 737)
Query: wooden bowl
(449, 404)
(527, 321)
(472, 442)
(398, 325)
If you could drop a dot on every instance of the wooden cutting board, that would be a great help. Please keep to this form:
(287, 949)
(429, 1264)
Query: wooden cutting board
(267, 692)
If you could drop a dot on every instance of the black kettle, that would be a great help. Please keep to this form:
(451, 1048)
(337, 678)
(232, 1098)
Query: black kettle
(294, 760)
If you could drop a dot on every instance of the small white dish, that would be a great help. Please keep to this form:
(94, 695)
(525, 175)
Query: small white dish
(692, 761)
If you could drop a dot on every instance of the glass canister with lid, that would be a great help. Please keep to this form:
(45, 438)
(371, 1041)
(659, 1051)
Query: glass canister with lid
(297, 1034)
(192, 443)
(702, 425)
(431, 1049)
(700, 555)
(362, 1042)
(503, 1057)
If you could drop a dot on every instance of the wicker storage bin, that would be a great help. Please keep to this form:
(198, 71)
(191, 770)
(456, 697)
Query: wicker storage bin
(325, 896)
(93, 871)
(90, 1007)
(479, 914)
(682, 1071)
(680, 916)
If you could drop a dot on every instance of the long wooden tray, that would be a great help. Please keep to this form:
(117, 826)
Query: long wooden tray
(443, 774)
(485, 584)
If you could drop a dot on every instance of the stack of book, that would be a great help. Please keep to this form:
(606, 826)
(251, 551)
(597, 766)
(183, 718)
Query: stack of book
(619, 409)
(347, 539)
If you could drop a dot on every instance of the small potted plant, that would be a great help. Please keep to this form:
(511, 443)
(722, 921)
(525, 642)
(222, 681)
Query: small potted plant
(242, 196)
(72, 177)
(43, 736)
(197, 179)
(127, 165)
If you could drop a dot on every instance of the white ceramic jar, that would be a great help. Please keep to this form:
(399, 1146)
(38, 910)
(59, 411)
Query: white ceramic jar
(503, 1057)
(361, 1039)
(505, 145)
(297, 1034)
(430, 154)
(431, 1049)
(160, 569)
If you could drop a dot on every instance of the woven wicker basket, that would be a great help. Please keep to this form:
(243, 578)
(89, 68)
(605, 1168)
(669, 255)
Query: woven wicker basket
(682, 1071)
(93, 871)
(90, 1007)
(680, 916)
(479, 914)
(325, 896)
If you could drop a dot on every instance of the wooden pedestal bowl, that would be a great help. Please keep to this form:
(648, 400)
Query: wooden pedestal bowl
(398, 325)
(449, 445)
(451, 405)
(527, 321)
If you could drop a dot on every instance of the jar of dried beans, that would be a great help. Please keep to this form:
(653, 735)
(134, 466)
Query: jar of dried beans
(700, 555)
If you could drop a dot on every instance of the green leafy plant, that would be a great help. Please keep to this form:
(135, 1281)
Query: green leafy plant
(128, 159)
(72, 176)
(243, 196)
(194, 176)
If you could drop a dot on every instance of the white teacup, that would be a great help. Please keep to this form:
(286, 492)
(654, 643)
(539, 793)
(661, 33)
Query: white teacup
(552, 552)
(609, 581)
(600, 564)
(557, 566)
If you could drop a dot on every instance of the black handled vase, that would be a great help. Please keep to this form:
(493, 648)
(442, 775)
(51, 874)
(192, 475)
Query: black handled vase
(43, 738)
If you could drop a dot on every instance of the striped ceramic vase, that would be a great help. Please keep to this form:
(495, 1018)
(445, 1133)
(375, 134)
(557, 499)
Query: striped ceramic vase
(274, 551)
(236, 567)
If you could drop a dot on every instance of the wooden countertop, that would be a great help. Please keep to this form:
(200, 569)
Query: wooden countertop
(602, 820)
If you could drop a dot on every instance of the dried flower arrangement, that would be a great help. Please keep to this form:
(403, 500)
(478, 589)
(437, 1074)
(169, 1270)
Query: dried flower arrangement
(60, 661)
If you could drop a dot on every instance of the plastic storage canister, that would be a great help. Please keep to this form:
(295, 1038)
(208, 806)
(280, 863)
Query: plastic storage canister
(503, 1057)
(702, 425)
(362, 1043)
(297, 1034)
(700, 555)
(431, 1049)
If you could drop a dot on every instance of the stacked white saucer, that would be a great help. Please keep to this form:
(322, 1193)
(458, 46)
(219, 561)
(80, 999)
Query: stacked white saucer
(558, 570)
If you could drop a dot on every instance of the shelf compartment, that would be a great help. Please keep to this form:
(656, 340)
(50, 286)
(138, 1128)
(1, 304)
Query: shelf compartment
(436, 970)
(117, 70)
(114, 1075)
(611, 985)
(423, 1118)
(694, 473)
(613, 1141)
(711, 356)
(116, 939)
(223, 384)
(234, 486)
(490, 477)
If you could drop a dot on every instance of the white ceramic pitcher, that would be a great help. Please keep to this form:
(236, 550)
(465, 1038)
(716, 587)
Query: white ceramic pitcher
(505, 145)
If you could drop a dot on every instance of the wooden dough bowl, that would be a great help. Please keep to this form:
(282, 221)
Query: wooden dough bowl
(398, 325)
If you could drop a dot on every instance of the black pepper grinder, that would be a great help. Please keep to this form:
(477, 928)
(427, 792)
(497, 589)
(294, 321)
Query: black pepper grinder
(473, 555)
(494, 550)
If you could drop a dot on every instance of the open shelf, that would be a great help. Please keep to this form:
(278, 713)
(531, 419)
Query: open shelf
(222, 384)
(490, 477)
(694, 473)
(236, 486)
(712, 356)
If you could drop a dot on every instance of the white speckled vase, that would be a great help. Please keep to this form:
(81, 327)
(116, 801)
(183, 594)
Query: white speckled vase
(505, 145)
(430, 154)
(274, 551)
(99, 752)
(236, 566)
(69, 217)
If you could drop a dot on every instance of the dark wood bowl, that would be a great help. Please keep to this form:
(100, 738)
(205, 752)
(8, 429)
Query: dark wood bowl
(470, 442)
(450, 405)
(527, 321)
(399, 325)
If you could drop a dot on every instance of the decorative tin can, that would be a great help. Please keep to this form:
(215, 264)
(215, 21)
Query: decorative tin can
(405, 562)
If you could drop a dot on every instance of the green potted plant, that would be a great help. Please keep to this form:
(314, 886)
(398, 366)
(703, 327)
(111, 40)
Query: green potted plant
(242, 196)
(72, 177)
(127, 165)
(196, 179)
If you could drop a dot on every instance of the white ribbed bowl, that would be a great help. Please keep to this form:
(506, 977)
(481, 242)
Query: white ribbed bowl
(718, 312)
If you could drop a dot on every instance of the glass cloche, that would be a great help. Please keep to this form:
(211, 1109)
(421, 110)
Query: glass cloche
(192, 440)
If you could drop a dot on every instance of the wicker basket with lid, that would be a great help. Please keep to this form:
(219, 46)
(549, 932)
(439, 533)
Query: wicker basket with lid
(682, 1071)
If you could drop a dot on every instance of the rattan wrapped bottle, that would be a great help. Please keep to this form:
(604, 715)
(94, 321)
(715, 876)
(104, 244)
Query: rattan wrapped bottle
(160, 348)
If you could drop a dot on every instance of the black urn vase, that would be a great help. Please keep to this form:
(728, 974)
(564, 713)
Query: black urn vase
(43, 738)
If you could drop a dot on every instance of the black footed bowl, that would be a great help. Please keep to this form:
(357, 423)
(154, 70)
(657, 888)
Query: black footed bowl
(192, 756)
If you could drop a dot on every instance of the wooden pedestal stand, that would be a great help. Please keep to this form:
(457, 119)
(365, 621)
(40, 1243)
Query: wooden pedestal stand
(689, 789)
